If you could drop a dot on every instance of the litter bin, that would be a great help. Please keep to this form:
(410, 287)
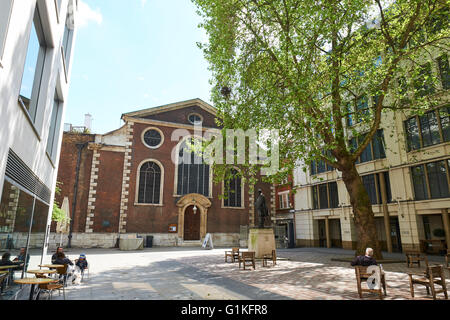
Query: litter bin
(148, 241)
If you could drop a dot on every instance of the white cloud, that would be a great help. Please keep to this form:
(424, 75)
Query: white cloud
(143, 3)
(87, 15)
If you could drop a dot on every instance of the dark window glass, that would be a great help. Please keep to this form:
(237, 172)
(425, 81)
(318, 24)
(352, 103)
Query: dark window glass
(444, 71)
(378, 145)
(369, 184)
(323, 194)
(313, 167)
(152, 138)
(412, 134)
(387, 181)
(444, 114)
(334, 196)
(54, 127)
(233, 192)
(149, 183)
(193, 173)
(366, 155)
(195, 119)
(419, 182)
(315, 198)
(437, 177)
(350, 114)
(430, 129)
(424, 82)
(320, 166)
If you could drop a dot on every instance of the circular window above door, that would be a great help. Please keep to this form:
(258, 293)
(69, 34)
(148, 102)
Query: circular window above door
(153, 138)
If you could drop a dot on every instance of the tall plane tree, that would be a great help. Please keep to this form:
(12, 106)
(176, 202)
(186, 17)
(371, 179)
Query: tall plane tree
(323, 73)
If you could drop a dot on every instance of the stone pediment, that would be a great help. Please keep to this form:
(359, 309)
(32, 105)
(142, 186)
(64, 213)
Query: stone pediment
(194, 198)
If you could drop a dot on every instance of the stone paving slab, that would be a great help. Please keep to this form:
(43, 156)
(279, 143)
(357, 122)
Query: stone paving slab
(196, 274)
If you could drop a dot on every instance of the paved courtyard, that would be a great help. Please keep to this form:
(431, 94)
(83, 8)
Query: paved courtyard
(197, 274)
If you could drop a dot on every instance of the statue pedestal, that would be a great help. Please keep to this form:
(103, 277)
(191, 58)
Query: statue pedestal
(261, 240)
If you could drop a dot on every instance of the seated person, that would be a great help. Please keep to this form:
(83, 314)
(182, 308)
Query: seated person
(5, 261)
(63, 260)
(23, 257)
(59, 249)
(366, 260)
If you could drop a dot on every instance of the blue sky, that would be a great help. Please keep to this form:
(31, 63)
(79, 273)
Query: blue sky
(135, 54)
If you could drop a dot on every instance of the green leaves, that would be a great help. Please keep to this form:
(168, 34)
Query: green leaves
(293, 65)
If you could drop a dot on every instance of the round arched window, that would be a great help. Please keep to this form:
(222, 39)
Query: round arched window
(195, 118)
(153, 138)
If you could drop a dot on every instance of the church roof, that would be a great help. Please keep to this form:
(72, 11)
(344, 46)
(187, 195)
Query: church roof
(172, 106)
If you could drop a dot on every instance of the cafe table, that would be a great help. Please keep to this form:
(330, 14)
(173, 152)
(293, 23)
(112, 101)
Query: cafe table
(34, 282)
(51, 266)
(41, 272)
(10, 266)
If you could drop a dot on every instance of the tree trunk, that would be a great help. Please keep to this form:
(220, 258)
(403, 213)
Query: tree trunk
(362, 209)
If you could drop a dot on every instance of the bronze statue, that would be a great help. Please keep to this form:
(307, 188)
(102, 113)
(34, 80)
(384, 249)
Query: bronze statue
(261, 208)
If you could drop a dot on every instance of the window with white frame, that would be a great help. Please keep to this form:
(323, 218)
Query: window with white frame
(283, 200)
(5, 13)
(34, 67)
(149, 183)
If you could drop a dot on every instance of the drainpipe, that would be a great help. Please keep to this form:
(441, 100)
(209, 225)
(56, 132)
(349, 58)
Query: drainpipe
(80, 147)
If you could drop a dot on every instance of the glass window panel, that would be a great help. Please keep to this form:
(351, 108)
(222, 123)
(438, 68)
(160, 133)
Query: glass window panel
(350, 114)
(430, 129)
(437, 178)
(315, 198)
(444, 71)
(412, 134)
(419, 182)
(29, 72)
(369, 184)
(52, 134)
(334, 196)
(313, 167)
(149, 183)
(445, 122)
(323, 194)
(366, 155)
(387, 181)
(378, 145)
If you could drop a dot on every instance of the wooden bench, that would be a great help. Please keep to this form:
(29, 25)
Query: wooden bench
(233, 254)
(362, 274)
(268, 257)
(414, 256)
(247, 258)
(434, 276)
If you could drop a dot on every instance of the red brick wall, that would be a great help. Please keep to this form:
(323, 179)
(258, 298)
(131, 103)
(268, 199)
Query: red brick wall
(181, 116)
(108, 191)
(67, 173)
(157, 219)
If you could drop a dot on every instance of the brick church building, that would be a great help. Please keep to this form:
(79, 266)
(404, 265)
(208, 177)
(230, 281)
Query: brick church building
(132, 181)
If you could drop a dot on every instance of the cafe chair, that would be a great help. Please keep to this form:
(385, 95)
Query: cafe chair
(270, 257)
(434, 276)
(362, 275)
(62, 273)
(50, 287)
(247, 258)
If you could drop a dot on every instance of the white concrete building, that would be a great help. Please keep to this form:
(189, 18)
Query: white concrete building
(36, 51)
(406, 173)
